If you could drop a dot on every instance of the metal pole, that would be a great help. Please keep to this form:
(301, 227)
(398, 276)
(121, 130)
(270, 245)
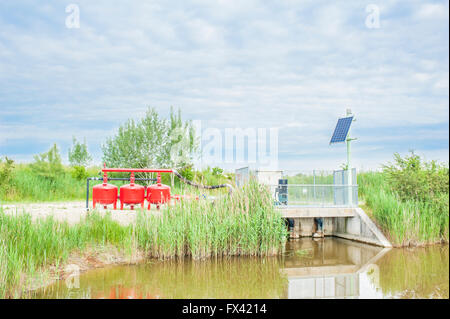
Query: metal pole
(314, 174)
(349, 166)
(87, 194)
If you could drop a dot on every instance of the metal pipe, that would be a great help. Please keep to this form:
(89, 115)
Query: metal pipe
(137, 170)
(184, 180)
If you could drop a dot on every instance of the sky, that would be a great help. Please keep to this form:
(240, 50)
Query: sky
(295, 66)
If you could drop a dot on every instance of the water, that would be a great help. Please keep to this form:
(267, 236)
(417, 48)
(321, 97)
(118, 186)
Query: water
(326, 268)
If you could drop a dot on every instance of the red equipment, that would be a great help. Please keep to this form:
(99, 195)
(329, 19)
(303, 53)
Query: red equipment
(158, 193)
(104, 194)
(132, 194)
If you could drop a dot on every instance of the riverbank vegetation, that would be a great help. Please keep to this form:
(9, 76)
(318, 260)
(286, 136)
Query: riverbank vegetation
(244, 224)
(409, 200)
(22, 183)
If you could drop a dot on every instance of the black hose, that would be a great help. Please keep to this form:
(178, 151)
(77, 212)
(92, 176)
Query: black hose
(186, 181)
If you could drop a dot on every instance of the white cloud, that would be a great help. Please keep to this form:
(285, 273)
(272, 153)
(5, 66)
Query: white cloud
(229, 63)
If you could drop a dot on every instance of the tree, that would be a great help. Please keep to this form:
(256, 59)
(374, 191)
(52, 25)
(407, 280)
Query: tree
(78, 154)
(151, 142)
(48, 164)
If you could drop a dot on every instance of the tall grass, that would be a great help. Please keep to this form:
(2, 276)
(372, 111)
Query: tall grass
(405, 222)
(26, 246)
(24, 185)
(243, 224)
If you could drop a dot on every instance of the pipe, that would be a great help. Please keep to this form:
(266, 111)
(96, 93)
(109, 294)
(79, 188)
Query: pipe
(186, 181)
(165, 170)
(137, 170)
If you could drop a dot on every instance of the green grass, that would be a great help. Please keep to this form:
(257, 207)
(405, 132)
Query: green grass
(243, 224)
(405, 222)
(26, 186)
(26, 246)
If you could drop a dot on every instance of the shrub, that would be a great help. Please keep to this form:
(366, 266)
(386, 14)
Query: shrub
(78, 154)
(79, 173)
(48, 165)
(412, 178)
(6, 175)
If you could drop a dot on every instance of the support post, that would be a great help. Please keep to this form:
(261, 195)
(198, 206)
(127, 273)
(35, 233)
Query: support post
(349, 166)
(87, 193)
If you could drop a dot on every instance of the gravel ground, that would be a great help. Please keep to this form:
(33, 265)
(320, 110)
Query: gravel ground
(69, 211)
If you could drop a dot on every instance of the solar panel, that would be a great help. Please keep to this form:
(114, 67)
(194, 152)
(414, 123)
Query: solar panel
(341, 130)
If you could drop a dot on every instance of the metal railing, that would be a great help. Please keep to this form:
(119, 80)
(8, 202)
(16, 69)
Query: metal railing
(315, 195)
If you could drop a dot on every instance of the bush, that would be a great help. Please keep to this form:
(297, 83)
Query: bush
(78, 154)
(79, 173)
(409, 200)
(48, 165)
(414, 179)
(6, 176)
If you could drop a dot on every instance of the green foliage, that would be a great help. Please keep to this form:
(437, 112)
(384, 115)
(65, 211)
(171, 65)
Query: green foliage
(78, 154)
(26, 245)
(6, 176)
(48, 165)
(413, 178)
(79, 173)
(151, 142)
(245, 223)
(409, 200)
(216, 171)
(187, 172)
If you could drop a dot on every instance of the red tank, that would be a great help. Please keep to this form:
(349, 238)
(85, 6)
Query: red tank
(158, 194)
(104, 194)
(132, 194)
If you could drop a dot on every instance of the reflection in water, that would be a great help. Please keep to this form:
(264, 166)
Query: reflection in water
(416, 273)
(326, 268)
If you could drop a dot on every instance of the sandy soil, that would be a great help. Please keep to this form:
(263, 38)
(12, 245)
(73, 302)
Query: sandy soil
(71, 212)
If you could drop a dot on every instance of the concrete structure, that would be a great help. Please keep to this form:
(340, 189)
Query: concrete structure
(242, 175)
(348, 223)
(336, 204)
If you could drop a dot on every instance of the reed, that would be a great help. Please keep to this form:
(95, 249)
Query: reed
(405, 222)
(242, 224)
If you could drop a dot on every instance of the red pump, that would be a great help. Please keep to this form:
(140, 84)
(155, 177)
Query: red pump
(132, 194)
(104, 194)
(158, 193)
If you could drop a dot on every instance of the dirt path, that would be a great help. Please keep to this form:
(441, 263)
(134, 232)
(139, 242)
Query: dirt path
(72, 212)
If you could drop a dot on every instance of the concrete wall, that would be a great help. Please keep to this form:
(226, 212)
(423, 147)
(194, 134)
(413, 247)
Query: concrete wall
(358, 227)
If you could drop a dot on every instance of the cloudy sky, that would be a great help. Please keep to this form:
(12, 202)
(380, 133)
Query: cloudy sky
(291, 65)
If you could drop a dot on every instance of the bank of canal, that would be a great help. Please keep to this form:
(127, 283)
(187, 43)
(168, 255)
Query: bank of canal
(324, 268)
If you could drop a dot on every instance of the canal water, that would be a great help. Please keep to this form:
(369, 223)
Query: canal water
(324, 268)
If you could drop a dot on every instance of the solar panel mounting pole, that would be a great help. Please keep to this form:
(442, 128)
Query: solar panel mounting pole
(349, 166)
